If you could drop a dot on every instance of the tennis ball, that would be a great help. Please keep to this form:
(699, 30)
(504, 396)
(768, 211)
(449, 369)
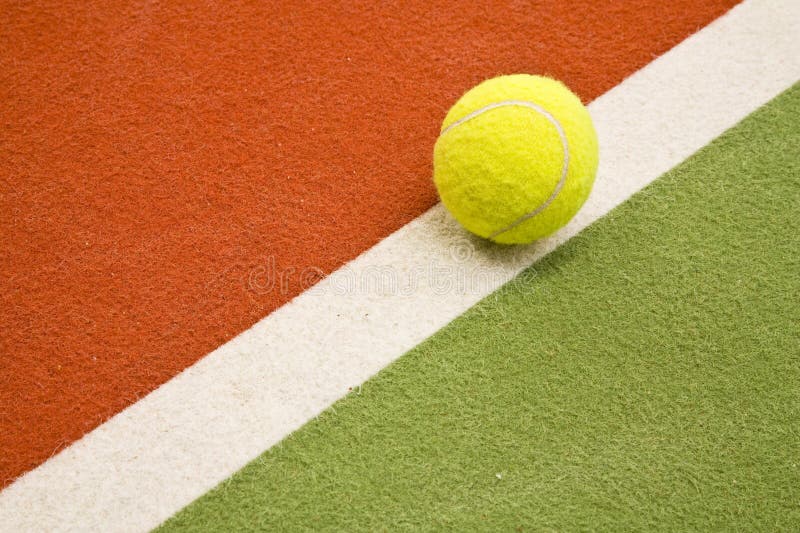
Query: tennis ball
(516, 158)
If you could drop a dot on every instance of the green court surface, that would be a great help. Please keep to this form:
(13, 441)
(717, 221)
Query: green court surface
(644, 376)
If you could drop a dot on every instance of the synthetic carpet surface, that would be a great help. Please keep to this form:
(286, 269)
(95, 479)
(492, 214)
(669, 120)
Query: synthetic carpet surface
(154, 155)
(645, 376)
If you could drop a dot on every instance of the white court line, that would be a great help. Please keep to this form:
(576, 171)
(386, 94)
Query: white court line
(172, 446)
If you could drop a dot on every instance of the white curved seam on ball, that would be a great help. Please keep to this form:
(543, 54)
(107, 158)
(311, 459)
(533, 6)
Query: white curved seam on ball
(564, 167)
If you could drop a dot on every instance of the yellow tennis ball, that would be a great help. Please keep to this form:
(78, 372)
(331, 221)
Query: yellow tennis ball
(516, 158)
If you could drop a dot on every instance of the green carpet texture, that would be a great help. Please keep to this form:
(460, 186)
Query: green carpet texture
(643, 377)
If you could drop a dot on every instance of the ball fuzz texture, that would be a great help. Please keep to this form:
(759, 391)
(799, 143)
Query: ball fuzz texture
(516, 158)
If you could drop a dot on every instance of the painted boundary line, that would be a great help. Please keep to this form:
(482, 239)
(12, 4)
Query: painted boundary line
(158, 455)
